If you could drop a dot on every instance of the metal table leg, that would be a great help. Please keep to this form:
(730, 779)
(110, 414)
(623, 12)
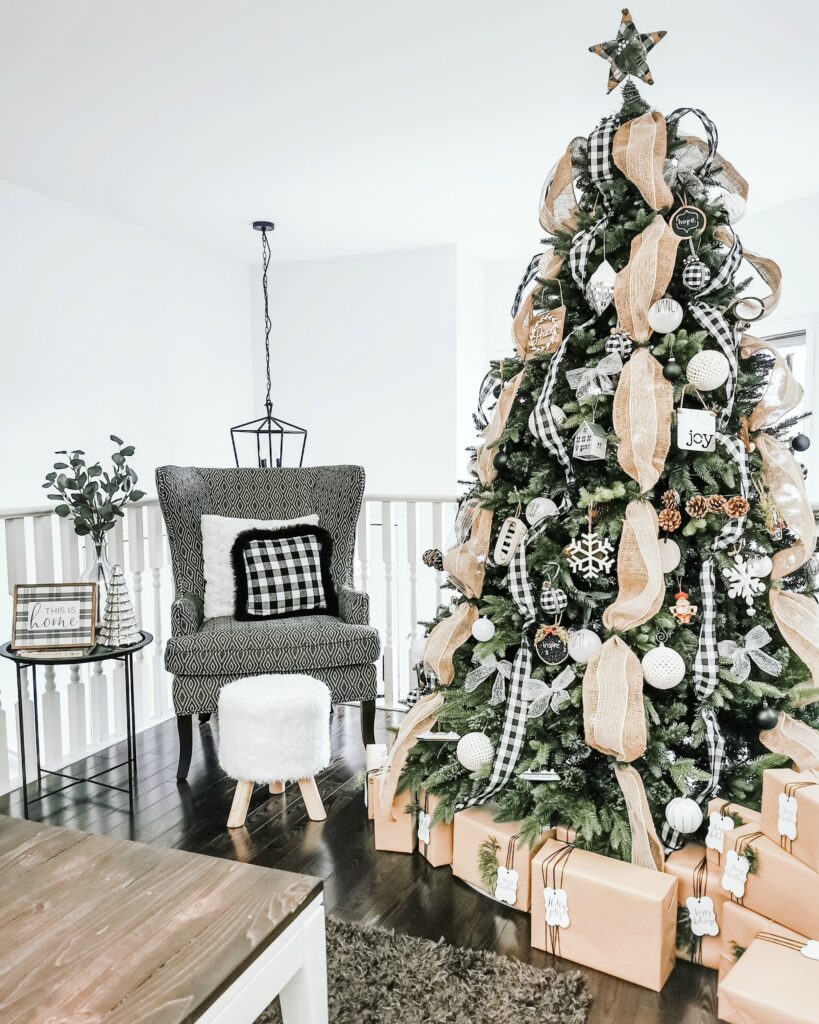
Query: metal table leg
(22, 724)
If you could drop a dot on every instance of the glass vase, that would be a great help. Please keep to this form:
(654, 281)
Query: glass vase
(98, 570)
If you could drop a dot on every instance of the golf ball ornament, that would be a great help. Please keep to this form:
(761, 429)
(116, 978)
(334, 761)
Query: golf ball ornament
(683, 814)
(663, 668)
(708, 370)
(474, 751)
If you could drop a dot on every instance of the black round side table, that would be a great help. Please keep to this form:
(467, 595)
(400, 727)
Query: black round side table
(27, 659)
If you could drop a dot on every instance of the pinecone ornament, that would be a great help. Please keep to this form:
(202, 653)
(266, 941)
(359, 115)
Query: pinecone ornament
(670, 499)
(669, 520)
(716, 504)
(434, 559)
(737, 507)
(697, 506)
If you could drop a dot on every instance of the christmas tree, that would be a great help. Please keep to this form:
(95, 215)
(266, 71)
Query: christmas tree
(635, 629)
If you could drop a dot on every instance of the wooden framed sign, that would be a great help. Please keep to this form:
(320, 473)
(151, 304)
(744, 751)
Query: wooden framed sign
(52, 616)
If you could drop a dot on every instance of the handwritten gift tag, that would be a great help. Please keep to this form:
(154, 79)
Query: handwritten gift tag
(506, 888)
(424, 823)
(702, 915)
(811, 949)
(718, 825)
(786, 822)
(735, 874)
(557, 907)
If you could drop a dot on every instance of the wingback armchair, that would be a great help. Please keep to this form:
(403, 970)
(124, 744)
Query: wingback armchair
(204, 654)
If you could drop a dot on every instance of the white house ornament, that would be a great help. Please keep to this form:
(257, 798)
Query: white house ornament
(665, 315)
(540, 508)
(553, 600)
(590, 555)
(695, 275)
(552, 644)
(584, 646)
(483, 629)
(475, 750)
(670, 555)
(742, 583)
(718, 825)
(683, 814)
(600, 288)
(557, 907)
(696, 430)
(682, 609)
(735, 873)
(788, 812)
(701, 915)
(663, 667)
(590, 442)
(506, 887)
(708, 370)
(511, 533)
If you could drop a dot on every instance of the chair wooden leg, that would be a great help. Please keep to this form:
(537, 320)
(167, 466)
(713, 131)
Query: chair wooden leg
(184, 724)
(312, 800)
(276, 788)
(241, 801)
(368, 721)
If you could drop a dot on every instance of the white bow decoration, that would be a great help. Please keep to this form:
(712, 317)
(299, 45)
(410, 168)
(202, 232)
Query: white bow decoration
(750, 650)
(552, 695)
(589, 381)
(485, 668)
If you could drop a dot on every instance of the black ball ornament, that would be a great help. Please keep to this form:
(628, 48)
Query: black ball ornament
(800, 443)
(767, 718)
(522, 396)
(672, 370)
(501, 460)
(496, 390)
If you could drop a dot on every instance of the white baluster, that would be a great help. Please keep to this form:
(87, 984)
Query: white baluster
(17, 572)
(77, 728)
(156, 553)
(136, 562)
(412, 562)
(5, 772)
(116, 542)
(386, 556)
(438, 542)
(363, 548)
(51, 713)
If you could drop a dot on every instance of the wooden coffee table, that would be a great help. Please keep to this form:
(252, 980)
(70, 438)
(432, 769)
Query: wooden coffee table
(98, 929)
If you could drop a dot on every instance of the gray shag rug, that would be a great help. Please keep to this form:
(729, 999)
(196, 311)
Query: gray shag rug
(378, 977)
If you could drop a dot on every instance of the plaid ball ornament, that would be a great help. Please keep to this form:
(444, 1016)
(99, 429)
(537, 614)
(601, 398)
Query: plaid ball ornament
(553, 600)
(695, 275)
(619, 343)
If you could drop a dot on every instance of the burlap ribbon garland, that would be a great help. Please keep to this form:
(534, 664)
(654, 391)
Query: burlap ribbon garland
(795, 740)
(558, 205)
(466, 564)
(643, 406)
(613, 714)
(419, 719)
(639, 150)
(645, 277)
(640, 578)
(446, 637)
(782, 476)
(484, 466)
(797, 618)
(525, 318)
(722, 171)
(767, 269)
(646, 848)
(783, 391)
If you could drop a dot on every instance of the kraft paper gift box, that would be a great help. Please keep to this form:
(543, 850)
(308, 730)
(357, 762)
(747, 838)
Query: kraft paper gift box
(376, 754)
(399, 835)
(698, 881)
(476, 825)
(434, 841)
(720, 820)
(772, 983)
(782, 888)
(604, 913)
(790, 812)
(738, 929)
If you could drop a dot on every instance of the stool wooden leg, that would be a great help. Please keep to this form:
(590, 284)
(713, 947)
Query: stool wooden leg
(312, 800)
(241, 800)
(276, 788)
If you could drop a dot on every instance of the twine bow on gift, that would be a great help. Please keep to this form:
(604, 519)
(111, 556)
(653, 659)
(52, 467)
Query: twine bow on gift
(483, 670)
(589, 381)
(750, 650)
(552, 695)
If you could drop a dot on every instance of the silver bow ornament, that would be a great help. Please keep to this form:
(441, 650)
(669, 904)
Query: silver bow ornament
(589, 381)
(552, 695)
(750, 650)
(483, 670)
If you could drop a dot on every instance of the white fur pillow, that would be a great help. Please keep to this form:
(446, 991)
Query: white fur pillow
(218, 535)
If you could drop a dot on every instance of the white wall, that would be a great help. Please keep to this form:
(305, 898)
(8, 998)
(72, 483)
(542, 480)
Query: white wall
(364, 354)
(107, 328)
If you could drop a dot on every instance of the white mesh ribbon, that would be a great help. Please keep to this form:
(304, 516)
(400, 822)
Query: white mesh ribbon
(750, 650)
(591, 381)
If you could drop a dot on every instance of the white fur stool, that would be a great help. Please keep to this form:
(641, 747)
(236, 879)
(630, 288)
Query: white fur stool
(274, 729)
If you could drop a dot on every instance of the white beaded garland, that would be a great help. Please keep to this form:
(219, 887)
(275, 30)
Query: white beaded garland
(670, 555)
(584, 645)
(483, 629)
(683, 814)
(474, 751)
(665, 315)
(708, 370)
(663, 668)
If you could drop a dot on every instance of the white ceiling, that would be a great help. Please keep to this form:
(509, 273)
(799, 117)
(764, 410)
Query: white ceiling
(369, 125)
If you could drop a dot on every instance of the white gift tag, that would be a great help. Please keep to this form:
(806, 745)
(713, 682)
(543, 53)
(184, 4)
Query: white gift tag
(702, 915)
(735, 874)
(786, 822)
(557, 907)
(506, 888)
(424, 823)
(696, 430)
(718, 825)
(811, 949)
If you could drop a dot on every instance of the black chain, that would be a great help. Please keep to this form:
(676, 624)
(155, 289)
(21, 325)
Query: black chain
(267, 323)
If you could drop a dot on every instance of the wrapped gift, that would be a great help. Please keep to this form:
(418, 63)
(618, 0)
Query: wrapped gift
(790, 812)
(738, 929)
(700, 898)
(475, 827)
(394, 828)
(775, 981)
(722, 818)
(616, 917)
(376, 755)
(760, 875)
(434, 841)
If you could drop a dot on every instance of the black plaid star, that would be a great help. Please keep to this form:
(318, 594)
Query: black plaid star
(627, 53)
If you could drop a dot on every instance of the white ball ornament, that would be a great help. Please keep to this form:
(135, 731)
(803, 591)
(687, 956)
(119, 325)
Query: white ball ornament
(540, 508)
(708, 370)
(584, 646)
(683, 814)
(483, 629)
(760, 566)
(665, 315)
(663, 668)
(670, 555)
(474, 751)
(418, 650)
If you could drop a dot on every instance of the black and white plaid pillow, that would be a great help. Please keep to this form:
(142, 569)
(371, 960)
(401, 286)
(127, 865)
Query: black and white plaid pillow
(283, 572)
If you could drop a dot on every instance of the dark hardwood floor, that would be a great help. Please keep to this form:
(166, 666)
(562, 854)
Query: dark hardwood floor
(388, 889)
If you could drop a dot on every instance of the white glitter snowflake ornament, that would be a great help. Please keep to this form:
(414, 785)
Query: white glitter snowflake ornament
(590, 555)
(742, 583)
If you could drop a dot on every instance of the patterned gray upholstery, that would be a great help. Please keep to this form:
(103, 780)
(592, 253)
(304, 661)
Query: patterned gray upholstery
(204, 655)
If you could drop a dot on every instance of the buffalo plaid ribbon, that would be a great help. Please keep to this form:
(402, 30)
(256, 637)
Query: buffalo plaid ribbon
(600, 140)
(715, 324)
(481, 417)
(528, 275)
(583, 245)
(710, 131)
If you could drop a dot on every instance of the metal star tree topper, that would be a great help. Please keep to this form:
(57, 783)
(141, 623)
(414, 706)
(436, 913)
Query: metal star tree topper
(627, 53)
